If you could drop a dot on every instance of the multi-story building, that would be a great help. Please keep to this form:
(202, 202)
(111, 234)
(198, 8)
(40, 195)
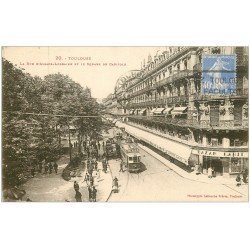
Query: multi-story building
(164, 98)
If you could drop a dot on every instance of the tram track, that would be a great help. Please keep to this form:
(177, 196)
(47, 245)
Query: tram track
(133, 179)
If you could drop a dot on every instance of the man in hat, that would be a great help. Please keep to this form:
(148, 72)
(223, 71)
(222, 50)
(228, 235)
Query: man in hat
(76, 186)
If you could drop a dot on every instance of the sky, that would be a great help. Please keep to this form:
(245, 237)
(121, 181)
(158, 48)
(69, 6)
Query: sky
(90, 66)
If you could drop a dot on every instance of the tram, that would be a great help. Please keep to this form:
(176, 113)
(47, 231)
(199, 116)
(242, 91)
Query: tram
(131, 156)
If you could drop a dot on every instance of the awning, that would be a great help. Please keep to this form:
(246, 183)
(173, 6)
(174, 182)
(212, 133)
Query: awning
(119, 124)
(131, 112)
(142, 111)
(177, 150)
(167, 110)
(158, 111)
(152, 111)
(179, 110)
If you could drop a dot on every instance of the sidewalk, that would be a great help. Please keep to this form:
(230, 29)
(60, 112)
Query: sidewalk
(219, 180)
(53, 188)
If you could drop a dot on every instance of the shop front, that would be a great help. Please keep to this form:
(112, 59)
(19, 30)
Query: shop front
(226, 163)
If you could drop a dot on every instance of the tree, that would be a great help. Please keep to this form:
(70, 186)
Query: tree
(31, 138)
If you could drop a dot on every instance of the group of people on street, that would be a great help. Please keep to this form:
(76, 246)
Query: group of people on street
(92, 148)
(92, 165)
(48, 167)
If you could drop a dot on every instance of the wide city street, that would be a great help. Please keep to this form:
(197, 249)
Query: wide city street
(159, 183)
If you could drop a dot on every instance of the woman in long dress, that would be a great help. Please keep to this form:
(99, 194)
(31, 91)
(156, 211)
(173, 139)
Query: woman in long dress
(210, 172)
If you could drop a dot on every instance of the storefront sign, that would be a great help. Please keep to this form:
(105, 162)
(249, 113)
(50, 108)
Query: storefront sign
(220, 153)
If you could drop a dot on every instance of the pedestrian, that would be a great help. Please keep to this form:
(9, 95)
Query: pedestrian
(55, 165)
(46, 168)
(32, 171)
(96, 165)
(210, 172)
(40, 167)
(28, 199)
(94, 191)
(245, 176)
(213, 172)
(90, 170)
(115, 182)
(92, 163)
(78, 196)
(76, 186)
(86, 178)
(104, 166)
(91, 180)
(115, 185)
(50, 168)
(238, 180)
(88, 163)
(90, 193)
(197, 169)
(99, 145)
(98, 174)
(121, 167)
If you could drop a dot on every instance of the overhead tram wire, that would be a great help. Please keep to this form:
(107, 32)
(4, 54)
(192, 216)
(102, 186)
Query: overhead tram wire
(52, 115)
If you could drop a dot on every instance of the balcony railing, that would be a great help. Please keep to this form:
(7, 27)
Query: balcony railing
(176, 76)
(182, 122)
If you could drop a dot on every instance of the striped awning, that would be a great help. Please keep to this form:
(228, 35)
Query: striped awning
(167, 110)
(179, 110)
(142, 111)
(158, 111)
(152, 111)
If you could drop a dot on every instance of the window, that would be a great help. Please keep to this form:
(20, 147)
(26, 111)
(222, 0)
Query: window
(200, 57)
(185, 64)
(178, 67)
(216, 50)
(170, 70)
(130, 158)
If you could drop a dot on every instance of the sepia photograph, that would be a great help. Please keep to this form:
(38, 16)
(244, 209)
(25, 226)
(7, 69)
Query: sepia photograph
(125, 124)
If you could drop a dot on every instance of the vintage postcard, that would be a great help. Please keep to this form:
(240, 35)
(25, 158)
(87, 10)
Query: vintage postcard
(125, 124)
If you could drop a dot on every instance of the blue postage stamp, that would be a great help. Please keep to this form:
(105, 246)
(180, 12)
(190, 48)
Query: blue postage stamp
(218, 74)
